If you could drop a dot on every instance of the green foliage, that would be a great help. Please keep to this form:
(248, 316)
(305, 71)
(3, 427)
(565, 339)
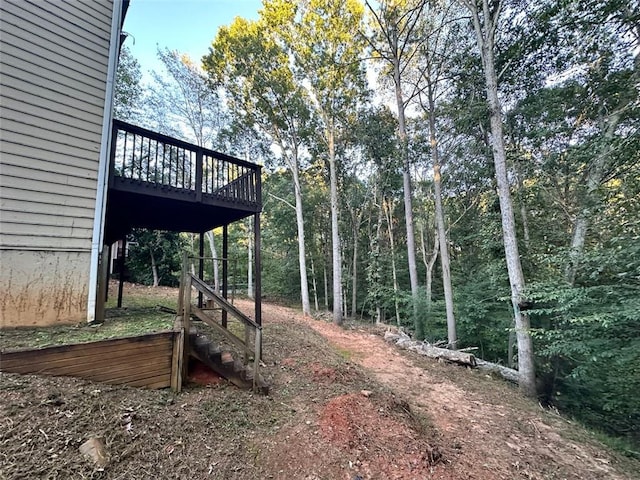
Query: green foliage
(154, 247)
(483, 322)
(430, 321)
(589, 338)
(591, 352)
(128, 89)
(295, 85)
(280, 269)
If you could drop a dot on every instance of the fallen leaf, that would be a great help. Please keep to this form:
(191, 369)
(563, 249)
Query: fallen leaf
(95, 450)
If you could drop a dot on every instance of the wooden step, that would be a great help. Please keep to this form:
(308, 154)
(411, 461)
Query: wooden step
(227, 359)
(224, 363)
(215, 353)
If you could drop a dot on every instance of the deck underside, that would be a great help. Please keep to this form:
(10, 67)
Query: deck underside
(154, 208)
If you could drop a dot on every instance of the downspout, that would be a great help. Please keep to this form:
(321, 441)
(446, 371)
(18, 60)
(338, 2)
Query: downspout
(103, 165)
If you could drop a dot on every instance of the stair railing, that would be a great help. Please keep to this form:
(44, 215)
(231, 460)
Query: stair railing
(188, 284)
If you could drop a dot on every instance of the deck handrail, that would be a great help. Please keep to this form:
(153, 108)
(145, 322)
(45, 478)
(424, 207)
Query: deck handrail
(186, 309)
(206, 290)
(142, 155)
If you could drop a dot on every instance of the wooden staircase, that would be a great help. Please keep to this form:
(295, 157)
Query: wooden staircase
(239, 364)
(224, 364)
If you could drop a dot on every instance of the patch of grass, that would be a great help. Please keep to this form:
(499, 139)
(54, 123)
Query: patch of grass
(125, 323)
(345, 354)
(620, 445)
(142, 301)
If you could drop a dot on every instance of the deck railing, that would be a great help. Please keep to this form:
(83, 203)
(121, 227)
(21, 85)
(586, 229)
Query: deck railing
(141, 155)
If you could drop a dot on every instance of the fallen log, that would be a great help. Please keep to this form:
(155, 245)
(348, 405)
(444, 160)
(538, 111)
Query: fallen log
(504, 372)
(455, 356)
(404, 341)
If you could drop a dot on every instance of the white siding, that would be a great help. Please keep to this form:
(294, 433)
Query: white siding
(53, 60)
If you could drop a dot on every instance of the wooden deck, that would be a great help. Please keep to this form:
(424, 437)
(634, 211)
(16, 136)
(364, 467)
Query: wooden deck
(163, 183)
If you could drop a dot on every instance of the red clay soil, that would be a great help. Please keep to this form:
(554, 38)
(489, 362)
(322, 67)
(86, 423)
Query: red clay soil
(482, 427)
(200, 374)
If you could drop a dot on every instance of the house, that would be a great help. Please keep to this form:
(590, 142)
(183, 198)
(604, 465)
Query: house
(72, 179)
(57, 64)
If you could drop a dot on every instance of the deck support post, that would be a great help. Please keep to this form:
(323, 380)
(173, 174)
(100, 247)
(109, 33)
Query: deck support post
(225, 269)
(201, 266)
(103, 278)
(106, 290)
(121, 262)
(185, 310)
(257, 282)
(258, 277)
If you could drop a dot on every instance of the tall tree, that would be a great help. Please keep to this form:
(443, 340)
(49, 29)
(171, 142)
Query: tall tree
(154, 257)
(254, 69)
(438, 31)
(327, 58)
(485, 17)
(395, 42)
(376, 135)
(183, 102)
(128, 88)
(609, 57)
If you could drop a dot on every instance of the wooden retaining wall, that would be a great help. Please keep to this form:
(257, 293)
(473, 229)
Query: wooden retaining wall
(139, 361)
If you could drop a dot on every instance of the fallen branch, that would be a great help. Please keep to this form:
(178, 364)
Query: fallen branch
(460, 357)
(164, 309)
(404, 341)
(504, 372)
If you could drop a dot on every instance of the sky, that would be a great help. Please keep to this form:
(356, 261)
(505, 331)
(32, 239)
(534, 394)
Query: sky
(188, 26)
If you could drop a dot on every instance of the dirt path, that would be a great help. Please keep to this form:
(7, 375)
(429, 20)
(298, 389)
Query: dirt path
(485, 429)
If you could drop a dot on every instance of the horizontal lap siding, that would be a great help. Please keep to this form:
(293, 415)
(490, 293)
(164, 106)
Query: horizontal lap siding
(54, 61)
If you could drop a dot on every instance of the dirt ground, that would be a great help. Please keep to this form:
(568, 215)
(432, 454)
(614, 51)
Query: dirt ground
(344, 404)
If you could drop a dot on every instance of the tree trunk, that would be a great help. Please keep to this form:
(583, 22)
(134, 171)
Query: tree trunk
(504, 372)
(594, 179)
(304, 282)
(292, 163)
(389, 218)
(326, 286)
(516, 277)
(523, 212)
(406, 177)
(357, 219)
(250, 292)
(216, 270)
(485, 32)
(335, 232)
(442, 233)
(511, 346)
(429, 263)
(378, 238)
(345, 309)
(315, 285)
(404, 341)
(154, 269)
